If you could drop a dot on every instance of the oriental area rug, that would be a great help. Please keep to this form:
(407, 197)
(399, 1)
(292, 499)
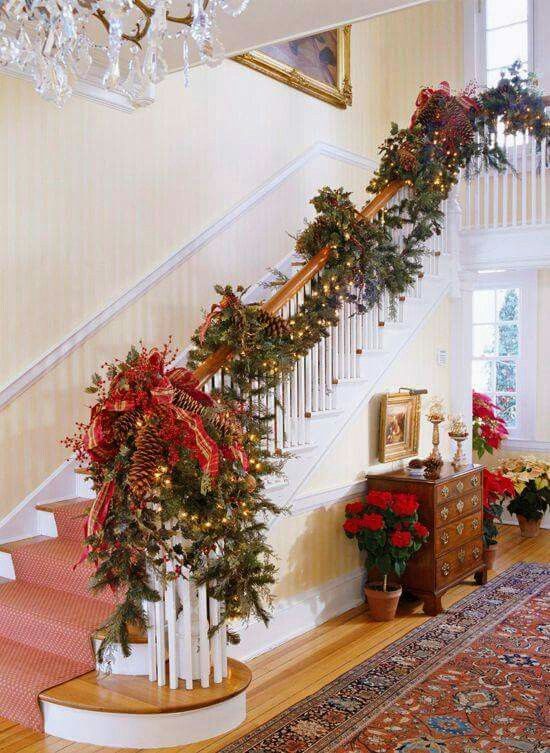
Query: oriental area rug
(475, 679)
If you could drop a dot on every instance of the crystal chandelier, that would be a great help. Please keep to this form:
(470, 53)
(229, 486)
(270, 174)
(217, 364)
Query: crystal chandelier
(56, 41)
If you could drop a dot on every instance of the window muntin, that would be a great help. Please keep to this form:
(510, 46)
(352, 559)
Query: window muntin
(506, 36)
(496, 348)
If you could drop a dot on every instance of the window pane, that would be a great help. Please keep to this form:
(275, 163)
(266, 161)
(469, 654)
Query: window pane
(507, 305)
(502, 12)
(508, 340)
(482, 376)
(507, 407)
(484, 340)
(506, 376)
(506, 45)
(484, 306)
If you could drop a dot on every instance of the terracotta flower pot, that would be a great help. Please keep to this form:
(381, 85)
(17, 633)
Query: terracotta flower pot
(529, 528)
(382, 604)
(490, 555)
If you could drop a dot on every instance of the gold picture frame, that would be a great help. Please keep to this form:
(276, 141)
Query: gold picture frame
(399, 426)
(339, 94)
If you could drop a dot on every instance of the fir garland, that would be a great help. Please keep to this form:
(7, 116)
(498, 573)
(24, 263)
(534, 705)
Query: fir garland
(448, 133)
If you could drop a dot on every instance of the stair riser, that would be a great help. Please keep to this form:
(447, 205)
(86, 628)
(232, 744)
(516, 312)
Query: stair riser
(61, 639)
(58, 574)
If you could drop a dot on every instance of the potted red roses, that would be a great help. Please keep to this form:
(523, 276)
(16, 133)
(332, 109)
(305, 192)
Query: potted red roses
(386, 527)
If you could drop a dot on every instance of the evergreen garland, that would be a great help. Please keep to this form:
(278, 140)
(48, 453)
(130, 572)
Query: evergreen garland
(364, 263)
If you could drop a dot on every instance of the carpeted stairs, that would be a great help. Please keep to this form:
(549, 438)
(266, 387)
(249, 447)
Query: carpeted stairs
(47, 616)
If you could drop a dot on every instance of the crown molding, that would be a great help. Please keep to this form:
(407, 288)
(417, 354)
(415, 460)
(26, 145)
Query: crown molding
(91, 88)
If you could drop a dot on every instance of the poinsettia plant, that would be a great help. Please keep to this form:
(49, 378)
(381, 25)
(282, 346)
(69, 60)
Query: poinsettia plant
(496, 489)
(530, 477)
(386, 526)
(489, 429)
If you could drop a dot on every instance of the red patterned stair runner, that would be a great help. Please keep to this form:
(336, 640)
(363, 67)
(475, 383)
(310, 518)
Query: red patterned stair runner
(47, 617)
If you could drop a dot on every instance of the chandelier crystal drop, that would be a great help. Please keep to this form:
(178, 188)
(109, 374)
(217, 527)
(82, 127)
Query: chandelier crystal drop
(57, 42)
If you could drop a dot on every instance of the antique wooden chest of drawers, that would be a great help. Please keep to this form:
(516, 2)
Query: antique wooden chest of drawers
(451, 507)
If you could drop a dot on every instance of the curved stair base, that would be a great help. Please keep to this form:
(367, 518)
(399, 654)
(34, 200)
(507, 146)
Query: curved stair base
(132, 712)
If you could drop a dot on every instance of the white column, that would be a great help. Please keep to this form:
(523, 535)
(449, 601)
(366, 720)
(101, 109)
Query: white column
(461, 322)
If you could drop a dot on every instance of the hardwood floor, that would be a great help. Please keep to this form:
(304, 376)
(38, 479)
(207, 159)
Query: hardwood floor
(293, 671)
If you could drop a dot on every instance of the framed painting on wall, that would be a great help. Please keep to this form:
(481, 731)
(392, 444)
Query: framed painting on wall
(399, 426)
(318, 65)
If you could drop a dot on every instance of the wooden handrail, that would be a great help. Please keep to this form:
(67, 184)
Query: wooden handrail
(286, 292)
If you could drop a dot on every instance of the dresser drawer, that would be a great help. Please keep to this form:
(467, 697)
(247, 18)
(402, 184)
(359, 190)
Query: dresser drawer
(459, 486)
(464, 559)
(459, 507)
(458, 532)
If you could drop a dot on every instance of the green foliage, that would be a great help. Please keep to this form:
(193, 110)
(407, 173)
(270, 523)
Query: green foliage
(532, 502)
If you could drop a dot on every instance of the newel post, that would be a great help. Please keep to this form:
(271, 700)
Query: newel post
(461, 321)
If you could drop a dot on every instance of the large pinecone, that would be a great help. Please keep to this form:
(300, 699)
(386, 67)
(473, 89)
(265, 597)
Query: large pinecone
(431, 115)
(124, 424)
(221, 421)
(275, 326)
(146, 460)
(407, 158)
(457, 128)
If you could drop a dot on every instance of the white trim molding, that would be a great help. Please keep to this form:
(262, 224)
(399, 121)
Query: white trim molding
(526, 446)
(519, 247)
(526, 282)
(91, 88)
(80, 334)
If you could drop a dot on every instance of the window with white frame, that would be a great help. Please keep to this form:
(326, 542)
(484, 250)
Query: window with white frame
(504, 347)
(507, 36)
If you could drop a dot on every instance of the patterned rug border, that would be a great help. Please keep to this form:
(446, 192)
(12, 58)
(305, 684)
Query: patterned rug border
(536, 576)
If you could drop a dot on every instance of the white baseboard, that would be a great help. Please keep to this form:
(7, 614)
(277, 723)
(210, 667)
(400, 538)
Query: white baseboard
(22, 521)
(295, 616)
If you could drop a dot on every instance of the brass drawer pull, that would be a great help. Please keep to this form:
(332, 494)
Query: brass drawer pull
(476, 551)
(460, 486)
(445, 569)
(444, 513)
(445, 491)
(460, 505)
(475, 481)
(475, 524)
(460, 529)
(461, 555)
(444, 538)
(475, 500)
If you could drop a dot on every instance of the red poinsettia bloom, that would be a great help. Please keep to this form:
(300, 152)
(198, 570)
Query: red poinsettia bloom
(372, 522)
(352, 525)
(420, 530)
(496, 486)
(404, 505)
(379, 499)
(354, 508)
(401, 539)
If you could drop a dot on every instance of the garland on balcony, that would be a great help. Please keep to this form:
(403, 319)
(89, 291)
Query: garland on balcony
(168, 463)
(158, 472)
(447, 132)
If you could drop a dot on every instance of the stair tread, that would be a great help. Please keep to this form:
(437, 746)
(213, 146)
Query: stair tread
(21, 663)
(58, 606)
(14, 546)
(25, 672)
(77, 502)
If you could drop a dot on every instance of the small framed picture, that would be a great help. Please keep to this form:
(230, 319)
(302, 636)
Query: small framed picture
(399, 426)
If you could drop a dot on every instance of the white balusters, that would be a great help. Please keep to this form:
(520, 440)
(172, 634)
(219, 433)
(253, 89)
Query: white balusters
(514, 197)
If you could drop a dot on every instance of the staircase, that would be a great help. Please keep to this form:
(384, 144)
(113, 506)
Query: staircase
(47, 615)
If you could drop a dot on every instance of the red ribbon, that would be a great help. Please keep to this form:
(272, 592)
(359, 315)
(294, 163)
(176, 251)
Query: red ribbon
(101, 444)
(214, 313)
(97, 516)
